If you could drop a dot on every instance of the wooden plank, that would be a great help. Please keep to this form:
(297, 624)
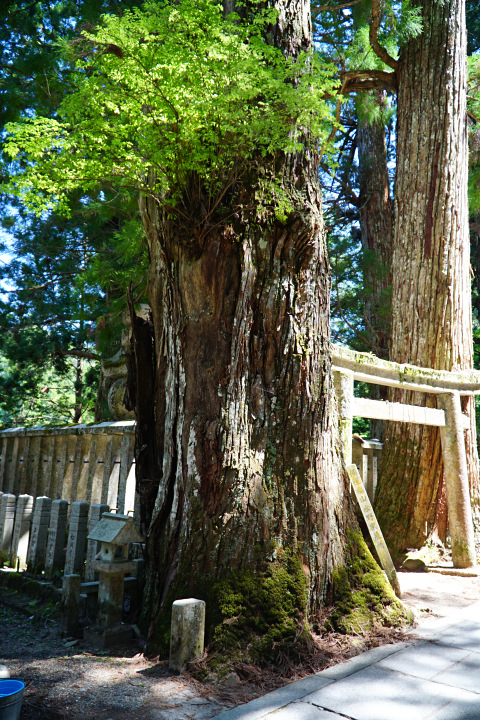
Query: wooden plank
(383, 410)
(24, 468)
(365, 365)
(123, 472)
(12, 468)
(107, 469)
(36, 448)
(374, 528)
(60, 466)
(92, 466)
(3, 462)
(48, 466)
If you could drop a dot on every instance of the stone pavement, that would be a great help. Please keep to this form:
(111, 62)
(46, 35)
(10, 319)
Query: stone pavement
(434, 676)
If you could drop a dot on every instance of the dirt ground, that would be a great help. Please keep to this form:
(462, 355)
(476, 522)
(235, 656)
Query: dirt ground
(64, 680)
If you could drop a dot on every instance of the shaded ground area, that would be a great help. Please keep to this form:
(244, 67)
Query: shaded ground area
(64, 680)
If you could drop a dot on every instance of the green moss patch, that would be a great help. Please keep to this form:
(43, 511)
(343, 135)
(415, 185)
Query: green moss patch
(363, 597)
(262, 615)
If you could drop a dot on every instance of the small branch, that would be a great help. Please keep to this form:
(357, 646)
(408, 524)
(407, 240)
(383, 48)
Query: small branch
(359, 80)
(341, 6)
(352, 197)
(373, 37)
(78, 353)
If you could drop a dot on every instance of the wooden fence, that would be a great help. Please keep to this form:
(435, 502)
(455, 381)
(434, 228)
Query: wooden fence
(91, 463)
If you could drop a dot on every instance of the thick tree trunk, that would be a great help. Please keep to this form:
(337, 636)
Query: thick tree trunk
(376, 227)
(431, 308)
(238, 462)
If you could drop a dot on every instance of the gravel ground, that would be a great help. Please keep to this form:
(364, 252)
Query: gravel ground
(64, 680)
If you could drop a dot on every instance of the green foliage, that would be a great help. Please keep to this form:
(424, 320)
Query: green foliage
(167, 94)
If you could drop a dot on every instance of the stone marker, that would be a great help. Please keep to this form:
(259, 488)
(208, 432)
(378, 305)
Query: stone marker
(38, 535)
(21, 531)
(70, 604)
(56, 537)
(77, 538)
(187, 632)
(93, 546)
(7, 519)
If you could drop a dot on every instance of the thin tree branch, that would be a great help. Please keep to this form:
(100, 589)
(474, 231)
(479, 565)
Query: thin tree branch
(378, 49)
(359, 80)
(324, 8)
(78, 353)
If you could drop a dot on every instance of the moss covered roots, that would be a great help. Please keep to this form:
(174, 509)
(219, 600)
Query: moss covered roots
(363, 597)
(256, 619)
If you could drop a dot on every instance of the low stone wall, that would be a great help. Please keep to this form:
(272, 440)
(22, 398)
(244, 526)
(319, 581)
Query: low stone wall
(88, 463)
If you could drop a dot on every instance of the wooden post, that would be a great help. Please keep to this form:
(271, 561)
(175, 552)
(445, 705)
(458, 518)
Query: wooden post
(374, 528)
(343, 381)
(456, 481)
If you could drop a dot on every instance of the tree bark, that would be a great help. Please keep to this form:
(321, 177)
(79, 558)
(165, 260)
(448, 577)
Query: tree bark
(431, 305)
(237, 447)
(376, 228)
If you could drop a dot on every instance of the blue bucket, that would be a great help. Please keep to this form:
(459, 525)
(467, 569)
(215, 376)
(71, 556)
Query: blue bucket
(11, 696)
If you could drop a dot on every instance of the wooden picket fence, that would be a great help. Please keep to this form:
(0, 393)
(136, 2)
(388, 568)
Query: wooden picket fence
(91, 463)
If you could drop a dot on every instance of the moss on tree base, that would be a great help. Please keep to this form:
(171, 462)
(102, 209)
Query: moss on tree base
(363, 597)
(258, 618)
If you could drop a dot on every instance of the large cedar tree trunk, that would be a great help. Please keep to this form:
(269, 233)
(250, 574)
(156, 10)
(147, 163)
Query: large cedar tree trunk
(431, 307)
(238, 462)
(376, 228)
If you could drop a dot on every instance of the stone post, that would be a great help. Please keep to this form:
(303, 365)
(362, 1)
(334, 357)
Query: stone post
(343, 381)
(456, 481)
(38, 535)
(70, 604)
(56, 537)
(7, 519)
(187, 632)
(77, 538)
(21, 531)
(93, 546)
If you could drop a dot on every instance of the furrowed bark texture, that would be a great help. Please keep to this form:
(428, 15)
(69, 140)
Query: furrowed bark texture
(242, 461)
(376, 227)
(431, 310)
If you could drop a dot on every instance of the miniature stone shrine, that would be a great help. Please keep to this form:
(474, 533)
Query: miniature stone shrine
(115, 533)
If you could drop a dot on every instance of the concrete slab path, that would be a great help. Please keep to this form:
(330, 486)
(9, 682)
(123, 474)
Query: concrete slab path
(435, 675)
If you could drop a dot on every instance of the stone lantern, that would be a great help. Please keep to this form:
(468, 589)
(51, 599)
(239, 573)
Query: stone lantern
(115, 533)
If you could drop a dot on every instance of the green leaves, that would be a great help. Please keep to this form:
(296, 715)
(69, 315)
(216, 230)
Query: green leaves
(168, 92)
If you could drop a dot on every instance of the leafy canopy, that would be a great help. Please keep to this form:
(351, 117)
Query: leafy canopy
(167, 92)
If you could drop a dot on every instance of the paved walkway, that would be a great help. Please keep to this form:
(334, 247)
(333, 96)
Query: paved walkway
(434, 676)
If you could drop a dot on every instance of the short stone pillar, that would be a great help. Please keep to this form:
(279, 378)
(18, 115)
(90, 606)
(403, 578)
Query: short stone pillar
(343, 382)
(77, 538)
(187, 632)
(115, 533)
(56, 537)
(93, 546)
(38, 535)
(460, 519)
(70, 604)
(7, 521)
(21, 531)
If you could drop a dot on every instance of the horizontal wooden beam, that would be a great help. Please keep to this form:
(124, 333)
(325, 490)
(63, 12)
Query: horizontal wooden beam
(368, 368)
(398, 412)
(383, 410)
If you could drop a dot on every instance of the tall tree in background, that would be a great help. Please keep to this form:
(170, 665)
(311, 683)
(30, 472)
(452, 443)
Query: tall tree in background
(431, 301)
(58, 276)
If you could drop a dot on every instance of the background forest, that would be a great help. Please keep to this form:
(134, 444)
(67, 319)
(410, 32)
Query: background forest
(64, 280)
